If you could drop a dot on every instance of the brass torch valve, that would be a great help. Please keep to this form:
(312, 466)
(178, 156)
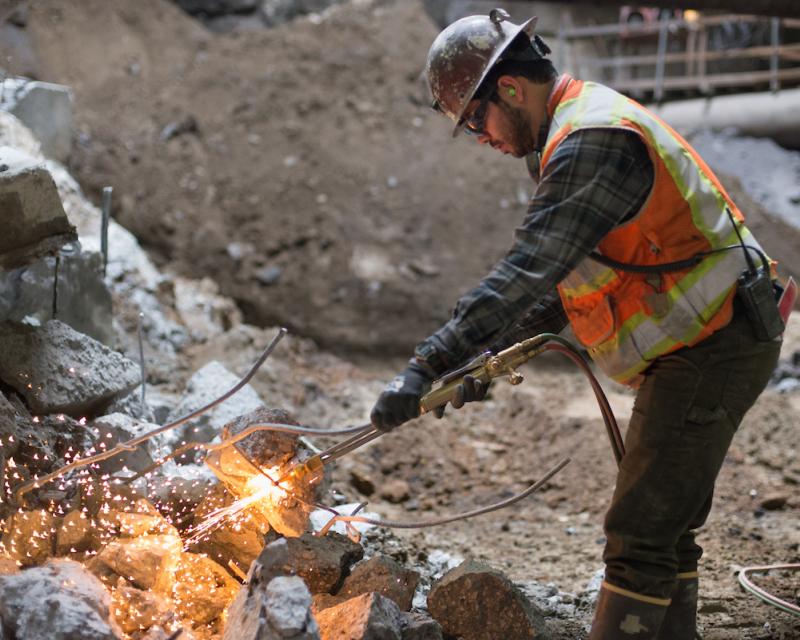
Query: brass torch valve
(485, 367)
(307, 473)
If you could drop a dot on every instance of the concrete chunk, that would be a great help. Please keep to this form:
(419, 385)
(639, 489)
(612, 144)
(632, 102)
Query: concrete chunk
(32, 217)
(59, 601)
(322, 562)
(417, 626)
(207, 384)
(278, 610)
(46, 109)
(115, 428)
(367, 617)
(147, 562)
(58, 370)
(84, 301)
(474, 601)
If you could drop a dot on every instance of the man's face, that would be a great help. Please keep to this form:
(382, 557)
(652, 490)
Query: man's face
(505, 128)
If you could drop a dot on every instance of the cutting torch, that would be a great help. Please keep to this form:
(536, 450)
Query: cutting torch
(484, 368)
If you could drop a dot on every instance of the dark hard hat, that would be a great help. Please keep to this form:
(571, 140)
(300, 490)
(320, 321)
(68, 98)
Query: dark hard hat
(463, 55)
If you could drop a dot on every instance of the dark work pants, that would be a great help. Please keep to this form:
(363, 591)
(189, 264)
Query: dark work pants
(685, 414)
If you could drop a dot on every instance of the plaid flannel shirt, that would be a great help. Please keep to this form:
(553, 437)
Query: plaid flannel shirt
(595, 179)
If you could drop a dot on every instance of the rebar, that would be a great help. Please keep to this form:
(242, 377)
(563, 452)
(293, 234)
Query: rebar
(106, 215)
(55, 285)
(253, 428)
(130, 445)
(143, 411)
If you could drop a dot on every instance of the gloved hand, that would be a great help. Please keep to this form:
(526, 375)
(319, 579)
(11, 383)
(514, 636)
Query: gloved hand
(399, 401)
(470, 390)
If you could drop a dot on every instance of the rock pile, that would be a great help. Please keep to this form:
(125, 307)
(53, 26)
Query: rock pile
(112, 550)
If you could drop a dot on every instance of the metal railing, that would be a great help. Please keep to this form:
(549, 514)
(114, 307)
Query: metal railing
(689, 56)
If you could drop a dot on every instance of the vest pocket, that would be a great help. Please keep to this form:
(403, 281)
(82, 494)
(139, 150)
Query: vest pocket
(593, 326)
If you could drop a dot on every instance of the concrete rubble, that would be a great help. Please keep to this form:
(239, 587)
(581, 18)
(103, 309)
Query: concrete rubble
(379, 574)
(59, 601)
(33, 216)
(367, 617)
(58, 370)
(205, 385)
(75, 287)
(44, 108)
(112, 429)
(322, 562)
(474, 601)
(249, 616)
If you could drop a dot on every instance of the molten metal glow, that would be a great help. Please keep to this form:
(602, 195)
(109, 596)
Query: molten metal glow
(260, 492)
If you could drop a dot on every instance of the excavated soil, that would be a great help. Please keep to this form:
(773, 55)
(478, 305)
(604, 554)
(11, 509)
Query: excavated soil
(301, 169)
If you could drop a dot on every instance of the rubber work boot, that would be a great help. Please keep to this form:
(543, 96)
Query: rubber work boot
(624, 615)
(680, 621)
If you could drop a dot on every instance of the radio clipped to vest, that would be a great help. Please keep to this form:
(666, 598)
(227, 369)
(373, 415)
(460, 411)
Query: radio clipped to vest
(757, 294)
(755, 288)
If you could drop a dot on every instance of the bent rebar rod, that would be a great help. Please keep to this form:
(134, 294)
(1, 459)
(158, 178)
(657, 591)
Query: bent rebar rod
(253, 428)
(130, 445)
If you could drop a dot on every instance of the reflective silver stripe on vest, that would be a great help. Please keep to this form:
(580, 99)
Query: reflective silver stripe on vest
(690, 309)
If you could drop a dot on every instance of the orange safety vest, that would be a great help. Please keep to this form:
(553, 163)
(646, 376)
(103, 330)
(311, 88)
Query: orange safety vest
(627, 320)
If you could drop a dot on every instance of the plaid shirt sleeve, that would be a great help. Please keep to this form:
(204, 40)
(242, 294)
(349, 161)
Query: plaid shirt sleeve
(594, 180)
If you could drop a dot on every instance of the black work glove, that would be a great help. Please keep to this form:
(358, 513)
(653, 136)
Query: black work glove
(399, 401)
(470, 390)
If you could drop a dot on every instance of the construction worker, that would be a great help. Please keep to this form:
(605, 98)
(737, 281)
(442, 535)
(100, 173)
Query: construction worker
(631, 239)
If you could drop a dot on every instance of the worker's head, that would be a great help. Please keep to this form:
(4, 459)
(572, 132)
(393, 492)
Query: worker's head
(489, 75)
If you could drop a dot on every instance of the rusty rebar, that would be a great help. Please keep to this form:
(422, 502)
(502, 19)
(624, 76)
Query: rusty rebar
(130, 445)
(253, 428)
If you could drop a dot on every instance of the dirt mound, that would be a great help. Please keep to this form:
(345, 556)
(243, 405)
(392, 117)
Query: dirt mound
(300, 167)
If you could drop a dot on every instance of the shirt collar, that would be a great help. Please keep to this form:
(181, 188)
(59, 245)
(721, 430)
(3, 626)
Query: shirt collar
(554, 97)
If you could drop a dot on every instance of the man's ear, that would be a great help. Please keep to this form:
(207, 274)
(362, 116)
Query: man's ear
(510, 90)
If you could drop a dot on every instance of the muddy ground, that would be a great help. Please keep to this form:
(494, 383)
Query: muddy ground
(301, 168)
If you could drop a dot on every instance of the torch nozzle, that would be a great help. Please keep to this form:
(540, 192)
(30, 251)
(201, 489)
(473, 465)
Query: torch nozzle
(307, 472)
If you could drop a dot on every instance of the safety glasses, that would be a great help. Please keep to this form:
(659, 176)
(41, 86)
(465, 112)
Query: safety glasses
(474, 124)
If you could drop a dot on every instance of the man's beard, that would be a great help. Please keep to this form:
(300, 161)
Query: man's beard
(521, 139)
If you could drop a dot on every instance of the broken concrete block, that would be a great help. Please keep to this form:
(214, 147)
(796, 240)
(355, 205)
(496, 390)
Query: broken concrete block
(46, 109)
(131, 405)
(112, 429)
(204, 386)
(32, 217)
(238, 543)
(273, 610)
(323, 562)
(203, 589)
(288, 608)
(237, 466)
(379, 574)
(136, 610)
(30, 536)
(474, 601)
(147, 562)
(75, 534)
(83, 300)
(367, 617)
(418, 626)
(58, 370)
(59, 601)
